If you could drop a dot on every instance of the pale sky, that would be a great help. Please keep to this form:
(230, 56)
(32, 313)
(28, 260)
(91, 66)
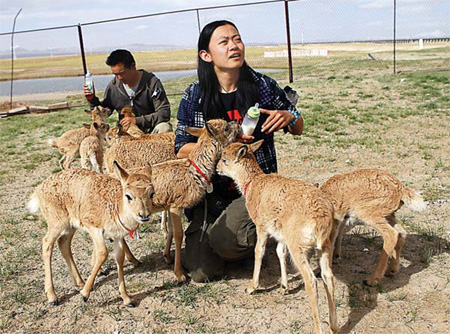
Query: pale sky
(311, 21)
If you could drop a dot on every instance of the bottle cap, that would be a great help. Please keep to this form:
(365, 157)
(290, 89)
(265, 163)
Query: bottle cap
(253, 112)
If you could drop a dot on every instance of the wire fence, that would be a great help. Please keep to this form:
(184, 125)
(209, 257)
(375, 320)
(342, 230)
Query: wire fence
(320, 31)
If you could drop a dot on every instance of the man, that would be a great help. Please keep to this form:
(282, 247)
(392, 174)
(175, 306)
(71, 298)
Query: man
(139, 90)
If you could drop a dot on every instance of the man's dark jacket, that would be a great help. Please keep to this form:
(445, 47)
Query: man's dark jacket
(150, 104)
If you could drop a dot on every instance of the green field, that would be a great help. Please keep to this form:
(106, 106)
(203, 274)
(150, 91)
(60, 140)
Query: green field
(435, 56)
(357, 114)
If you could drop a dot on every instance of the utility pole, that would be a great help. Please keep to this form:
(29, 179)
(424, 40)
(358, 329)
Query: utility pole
(12, 58)
(288, 34)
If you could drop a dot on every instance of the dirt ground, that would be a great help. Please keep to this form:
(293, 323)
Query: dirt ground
(414, 147)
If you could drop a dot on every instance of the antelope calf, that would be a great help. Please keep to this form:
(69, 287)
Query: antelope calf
(136, 153)
(91, 150)
(373, 196)
(297, 214)
(118, 134)
(182, 183)
(69, 143)
(106, 207)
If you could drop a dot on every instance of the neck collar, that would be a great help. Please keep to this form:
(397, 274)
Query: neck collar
(246, 188)
(131, 233)
(208, 181)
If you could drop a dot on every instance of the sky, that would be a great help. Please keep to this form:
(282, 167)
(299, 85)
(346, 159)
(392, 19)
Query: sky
(311, 21)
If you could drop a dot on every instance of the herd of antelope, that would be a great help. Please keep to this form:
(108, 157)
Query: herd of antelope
(145, 177)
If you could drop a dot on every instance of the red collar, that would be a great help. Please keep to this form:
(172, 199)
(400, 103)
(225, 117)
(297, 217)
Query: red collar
(208, 181)
(130, 232)
(246, 187)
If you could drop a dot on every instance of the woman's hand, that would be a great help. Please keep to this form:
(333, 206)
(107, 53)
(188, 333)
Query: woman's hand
(277, 120)
(241, 138)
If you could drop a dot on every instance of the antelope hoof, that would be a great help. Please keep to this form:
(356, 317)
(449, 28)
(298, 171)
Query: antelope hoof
(54, 303)
(390, 273)
(336, 259)
(371, 282)
(180, 278)
(85, 299)
(136, 263)
(168, 259)
(128, 305)
(250, 289)
(283, 290)
(104, 272)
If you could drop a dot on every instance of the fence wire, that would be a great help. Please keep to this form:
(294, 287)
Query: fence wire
(322, 32)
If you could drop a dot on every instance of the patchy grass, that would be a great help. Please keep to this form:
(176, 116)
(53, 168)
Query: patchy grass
(357, 115)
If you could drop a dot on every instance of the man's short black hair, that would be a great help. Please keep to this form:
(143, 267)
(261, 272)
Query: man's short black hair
(120, 56)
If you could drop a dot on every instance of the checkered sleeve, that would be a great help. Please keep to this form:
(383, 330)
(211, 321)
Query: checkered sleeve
(188, 115)
(279, 99)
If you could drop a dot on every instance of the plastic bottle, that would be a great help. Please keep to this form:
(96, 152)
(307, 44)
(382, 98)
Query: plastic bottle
(250, 120)
(89, 81)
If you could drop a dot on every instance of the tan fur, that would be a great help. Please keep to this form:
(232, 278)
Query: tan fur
(99, 204)
(115, 135)
(297, 214)
(373, 196)
(178, 184)
(91, 150)
(69, 143)
(165, 137)
(136, 153)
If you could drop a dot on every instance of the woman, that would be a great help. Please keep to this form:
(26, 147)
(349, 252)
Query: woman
(227, 87)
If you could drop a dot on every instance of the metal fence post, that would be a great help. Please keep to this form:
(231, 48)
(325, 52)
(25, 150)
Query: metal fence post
(288, 35)
(83, 57)
(395, 28)
(12, 58)
(198, 22)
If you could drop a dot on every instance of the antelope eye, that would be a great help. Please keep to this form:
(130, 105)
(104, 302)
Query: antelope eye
(225, 161)
(128, 198)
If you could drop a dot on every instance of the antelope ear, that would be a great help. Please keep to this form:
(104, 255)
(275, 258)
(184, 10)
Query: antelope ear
(211, 129)
(196, 132)
(242, 152)
(120, 172)
(89, 112)
(127, 111)
(256, 145)
(148, 170)
(87, 126)
(107, 111)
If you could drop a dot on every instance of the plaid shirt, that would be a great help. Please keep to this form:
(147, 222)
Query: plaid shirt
(272, 97)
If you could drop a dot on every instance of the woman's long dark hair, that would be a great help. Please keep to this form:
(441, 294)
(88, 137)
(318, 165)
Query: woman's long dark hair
(247, 93)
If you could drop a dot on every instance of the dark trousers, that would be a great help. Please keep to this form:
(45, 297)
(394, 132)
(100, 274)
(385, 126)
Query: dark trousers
(229, 235)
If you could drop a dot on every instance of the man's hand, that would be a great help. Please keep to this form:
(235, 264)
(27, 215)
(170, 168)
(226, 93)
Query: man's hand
(88, 94)
(241, 138)
(127, 120)
(277, 120)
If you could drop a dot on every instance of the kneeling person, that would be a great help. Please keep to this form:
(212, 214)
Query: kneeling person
(139, 90)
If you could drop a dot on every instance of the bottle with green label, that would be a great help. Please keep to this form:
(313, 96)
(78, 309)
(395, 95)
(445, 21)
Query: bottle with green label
(250, 120)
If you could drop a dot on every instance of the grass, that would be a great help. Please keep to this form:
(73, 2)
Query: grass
(357, 115)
